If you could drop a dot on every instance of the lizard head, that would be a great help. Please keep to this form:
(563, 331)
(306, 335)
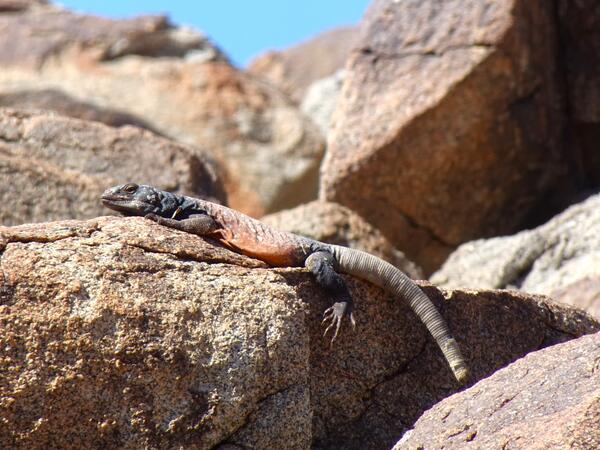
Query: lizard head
(136, 200)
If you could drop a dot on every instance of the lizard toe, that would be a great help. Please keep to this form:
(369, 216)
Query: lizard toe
(333, 317)
(335, 324)
(327, 316)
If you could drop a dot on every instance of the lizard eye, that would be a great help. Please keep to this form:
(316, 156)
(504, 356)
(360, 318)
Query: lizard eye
(130, 188)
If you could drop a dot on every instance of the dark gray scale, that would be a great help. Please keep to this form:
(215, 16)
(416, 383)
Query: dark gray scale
(322, 265)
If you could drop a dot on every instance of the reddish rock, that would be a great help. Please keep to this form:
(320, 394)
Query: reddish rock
(54, 167)
(62, 103)
(176, 82)
(580, 55)
(296, 68)
(450, 122)
(548, 399)
(117, 332)
(124, 344)
(90, 37)
(493, 328)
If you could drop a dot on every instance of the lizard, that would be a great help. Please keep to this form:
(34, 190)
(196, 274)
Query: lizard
(243, 234)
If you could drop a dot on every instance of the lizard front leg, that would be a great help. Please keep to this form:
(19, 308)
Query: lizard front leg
(200, 224)
(322, 265)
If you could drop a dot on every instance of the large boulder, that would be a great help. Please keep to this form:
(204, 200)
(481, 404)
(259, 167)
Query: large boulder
(64, 104)
(179, 84)
(580, 47)
(54, 167)
(560, 258)
(97, 354)
(335, 224)
(450, 122)
(122, 333)
(296, 68)
(549, 399)
(41, 33)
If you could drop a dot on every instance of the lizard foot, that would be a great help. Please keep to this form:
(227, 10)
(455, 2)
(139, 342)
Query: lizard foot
(334, 316)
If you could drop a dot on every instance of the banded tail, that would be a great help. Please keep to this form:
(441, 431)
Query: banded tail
(373, 269)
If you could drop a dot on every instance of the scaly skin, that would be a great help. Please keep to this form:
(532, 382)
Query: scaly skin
(281, 249)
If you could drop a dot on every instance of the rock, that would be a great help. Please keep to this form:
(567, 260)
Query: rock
(177, 83)
(580, 46)
(117, 332)
(553, 259)
(62, 103)
(296, 68)
(548, 399)
(13, 6)
(119, 361)
(336, 224)
(54, 167)
(92, 38)
(493, 328)
(449, 123)
(583, 293)
(321, 98)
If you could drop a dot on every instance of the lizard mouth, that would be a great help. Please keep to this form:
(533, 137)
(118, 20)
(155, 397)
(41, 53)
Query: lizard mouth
(127, 206)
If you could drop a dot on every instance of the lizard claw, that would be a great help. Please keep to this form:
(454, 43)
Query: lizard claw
(327, 315)
(334, 316)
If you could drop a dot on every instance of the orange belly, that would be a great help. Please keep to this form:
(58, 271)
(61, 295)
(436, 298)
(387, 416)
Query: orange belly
(275, 254)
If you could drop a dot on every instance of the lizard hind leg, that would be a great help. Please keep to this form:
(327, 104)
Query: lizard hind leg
(322, 265)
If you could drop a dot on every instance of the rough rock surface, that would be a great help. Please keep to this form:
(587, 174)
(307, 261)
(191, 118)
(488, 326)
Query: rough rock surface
(178, 83)
(123, 344)
(553, 259)
(549, 399)
(321, 99)
(580, 48)
(449, 123)
(336, 224)
(493, 328)
(54, 167)
(121, 333)
(62, 103)
(296, 68)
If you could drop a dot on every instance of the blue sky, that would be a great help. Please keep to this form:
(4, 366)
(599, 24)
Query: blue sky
(242, 28)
